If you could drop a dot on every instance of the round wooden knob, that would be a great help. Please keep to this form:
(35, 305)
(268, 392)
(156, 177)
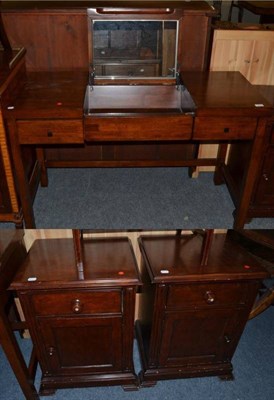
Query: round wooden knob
(227, 339)
(51, 351)
(77, 306)
(209, 297)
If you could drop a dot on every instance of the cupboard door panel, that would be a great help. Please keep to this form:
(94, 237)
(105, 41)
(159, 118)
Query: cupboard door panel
(200, 337)
(81, 345)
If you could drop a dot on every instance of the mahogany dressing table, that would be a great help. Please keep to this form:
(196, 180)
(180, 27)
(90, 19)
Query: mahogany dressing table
(148, 96)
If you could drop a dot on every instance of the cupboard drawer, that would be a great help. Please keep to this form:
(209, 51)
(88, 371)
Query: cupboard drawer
(212, 128)
(209, 294)
(50, 132)
(74, 302)
(152, 127)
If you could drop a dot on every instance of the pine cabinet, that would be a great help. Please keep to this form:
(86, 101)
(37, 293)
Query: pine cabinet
(249, 51)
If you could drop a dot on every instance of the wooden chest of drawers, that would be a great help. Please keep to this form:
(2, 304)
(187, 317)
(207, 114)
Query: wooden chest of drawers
(81, 322)
(191, 315)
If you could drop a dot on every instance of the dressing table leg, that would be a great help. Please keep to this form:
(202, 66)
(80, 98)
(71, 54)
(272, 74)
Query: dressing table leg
(21, 177)
(241, 212)
(221, 157)
(40, 154)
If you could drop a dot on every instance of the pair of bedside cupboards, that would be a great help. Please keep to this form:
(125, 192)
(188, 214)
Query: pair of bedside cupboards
(190, 314)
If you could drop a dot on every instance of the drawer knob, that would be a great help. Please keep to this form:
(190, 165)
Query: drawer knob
(265, 177)
(77, 306)
(51, 351)
(227, 339)
(209, 297)
(50, 133)
(226, 130)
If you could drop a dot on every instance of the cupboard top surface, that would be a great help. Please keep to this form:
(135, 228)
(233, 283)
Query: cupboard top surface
(178, 258)
(51, 264)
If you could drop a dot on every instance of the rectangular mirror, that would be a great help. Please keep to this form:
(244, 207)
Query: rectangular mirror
(134, 48)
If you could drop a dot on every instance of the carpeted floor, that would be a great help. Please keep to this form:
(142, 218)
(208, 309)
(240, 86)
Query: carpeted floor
(253, 371)
(135, 198)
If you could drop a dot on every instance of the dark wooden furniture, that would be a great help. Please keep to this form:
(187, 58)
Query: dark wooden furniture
(12, 254)
(81, 314)
(193, 309)
(262, 196)
(132, 113)
(263, 203)
(265, 9)
(43, 28)
(220, 116)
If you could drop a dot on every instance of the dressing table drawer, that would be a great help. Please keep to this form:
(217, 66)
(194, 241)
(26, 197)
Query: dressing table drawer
(211, 128)
(50, 132)
(152, 127)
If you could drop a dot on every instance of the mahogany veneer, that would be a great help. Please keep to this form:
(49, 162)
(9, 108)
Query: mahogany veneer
(193, 309)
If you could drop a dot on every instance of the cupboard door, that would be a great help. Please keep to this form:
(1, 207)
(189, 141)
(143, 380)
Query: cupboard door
(80, 345)
(201, 337)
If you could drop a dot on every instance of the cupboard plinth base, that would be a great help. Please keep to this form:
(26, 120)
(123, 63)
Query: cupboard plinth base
(128, 381)
(150, 375)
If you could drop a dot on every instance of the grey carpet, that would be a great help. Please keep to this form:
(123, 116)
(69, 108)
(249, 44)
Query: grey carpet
(135, 198)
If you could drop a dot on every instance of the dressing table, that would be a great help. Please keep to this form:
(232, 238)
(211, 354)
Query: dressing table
(146, 91)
